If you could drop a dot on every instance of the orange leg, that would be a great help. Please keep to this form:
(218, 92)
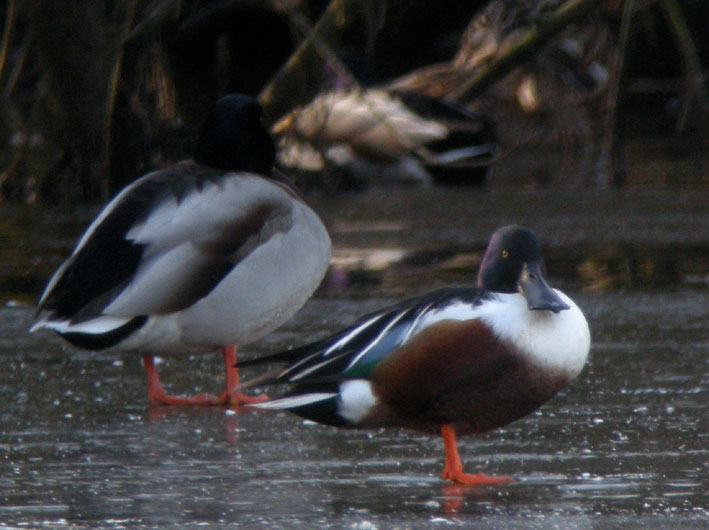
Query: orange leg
(229, 395)
(453, 469)
(157, 395)
(156, 392)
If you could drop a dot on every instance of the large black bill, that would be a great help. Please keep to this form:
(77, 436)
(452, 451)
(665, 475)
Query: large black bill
(537, 292)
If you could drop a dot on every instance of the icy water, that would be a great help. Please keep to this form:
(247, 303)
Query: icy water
(627, 445)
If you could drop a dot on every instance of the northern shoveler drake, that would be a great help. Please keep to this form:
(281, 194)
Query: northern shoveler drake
(457, 361)
(205, 254)
(395, 135)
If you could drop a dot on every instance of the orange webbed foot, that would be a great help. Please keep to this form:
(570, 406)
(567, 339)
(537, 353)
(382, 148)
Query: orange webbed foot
(453, 468)
(230, 396)
(476, 479)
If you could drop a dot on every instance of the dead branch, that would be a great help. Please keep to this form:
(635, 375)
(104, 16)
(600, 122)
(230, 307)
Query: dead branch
(7, 34)
(323, 35)
(528, 44)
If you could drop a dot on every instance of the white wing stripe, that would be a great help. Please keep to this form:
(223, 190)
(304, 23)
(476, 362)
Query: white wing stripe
(415, 323)
(308, 370)
(376, 340)
(294, 401)
(95, 326)
(344, 340)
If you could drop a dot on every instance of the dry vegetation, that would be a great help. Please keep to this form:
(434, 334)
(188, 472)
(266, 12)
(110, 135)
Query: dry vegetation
(99, 93)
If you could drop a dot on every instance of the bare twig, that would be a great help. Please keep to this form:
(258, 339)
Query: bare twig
(21, 57)
(612, 143)
(524, 48)
(322, 48)
(326, 31)
(7, 34)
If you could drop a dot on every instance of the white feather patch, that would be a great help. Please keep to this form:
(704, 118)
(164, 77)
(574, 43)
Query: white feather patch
(559, 342)
(456, 155)
(95, 326)
(456, 311)
(356, 400)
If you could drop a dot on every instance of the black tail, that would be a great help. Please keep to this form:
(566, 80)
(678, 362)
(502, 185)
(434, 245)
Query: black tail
(284, 357)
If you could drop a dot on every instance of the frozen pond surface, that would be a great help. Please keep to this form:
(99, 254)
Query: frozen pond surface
(626, 446)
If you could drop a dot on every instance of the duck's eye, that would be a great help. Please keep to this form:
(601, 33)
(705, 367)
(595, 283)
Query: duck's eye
(505, 254)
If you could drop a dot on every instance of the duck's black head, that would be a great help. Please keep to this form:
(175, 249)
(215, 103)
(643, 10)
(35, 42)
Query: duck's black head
(513, 264)
(234, 138)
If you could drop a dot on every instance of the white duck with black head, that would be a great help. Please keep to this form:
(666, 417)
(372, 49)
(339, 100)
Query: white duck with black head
(205, 254)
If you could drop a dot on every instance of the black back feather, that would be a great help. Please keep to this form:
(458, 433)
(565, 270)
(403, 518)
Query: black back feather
(106, 262)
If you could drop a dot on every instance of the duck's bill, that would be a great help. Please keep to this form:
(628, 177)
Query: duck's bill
(540, 297)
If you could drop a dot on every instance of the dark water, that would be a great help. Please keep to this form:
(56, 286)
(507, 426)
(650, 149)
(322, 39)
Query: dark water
(626, 446)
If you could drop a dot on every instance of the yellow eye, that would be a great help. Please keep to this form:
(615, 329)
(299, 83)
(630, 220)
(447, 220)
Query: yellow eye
(505, 254)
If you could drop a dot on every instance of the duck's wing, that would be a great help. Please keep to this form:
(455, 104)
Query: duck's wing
(407, 132)
(354, 352)
(470, 138)
(371, 121)
(164, 243)
(404, 358)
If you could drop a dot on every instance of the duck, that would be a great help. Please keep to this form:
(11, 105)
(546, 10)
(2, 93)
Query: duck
(550, 112)
(457, 361)
(381, 135)
(204, 255)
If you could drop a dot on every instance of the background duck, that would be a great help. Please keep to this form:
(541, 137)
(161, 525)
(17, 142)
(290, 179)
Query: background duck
(459, 360)
(201, 255)
(541, 124)
(381, 135)
(550, 113)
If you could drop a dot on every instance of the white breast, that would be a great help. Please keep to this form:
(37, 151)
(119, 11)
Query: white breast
(556, 342)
